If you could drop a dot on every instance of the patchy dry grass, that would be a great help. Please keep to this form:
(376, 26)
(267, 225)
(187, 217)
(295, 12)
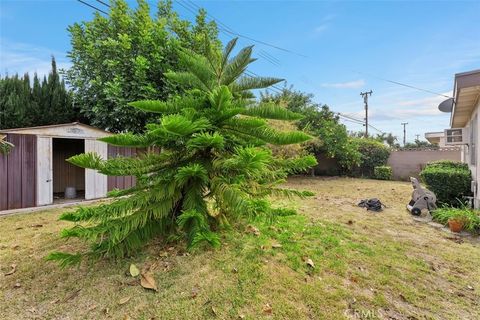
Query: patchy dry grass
(366, 265)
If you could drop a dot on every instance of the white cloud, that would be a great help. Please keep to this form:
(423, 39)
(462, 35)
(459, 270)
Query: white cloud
(320, 28)
(20, 58)
(345, 85)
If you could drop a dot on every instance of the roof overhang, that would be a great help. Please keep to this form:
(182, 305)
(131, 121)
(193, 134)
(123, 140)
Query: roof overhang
(434, 137)
(466, 92)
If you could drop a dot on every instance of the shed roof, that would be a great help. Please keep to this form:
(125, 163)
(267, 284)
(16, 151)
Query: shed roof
(74, 130)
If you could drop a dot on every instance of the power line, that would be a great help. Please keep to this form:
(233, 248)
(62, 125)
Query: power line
(404, 84)
(233, 32)
(104, 3)
(92, 6)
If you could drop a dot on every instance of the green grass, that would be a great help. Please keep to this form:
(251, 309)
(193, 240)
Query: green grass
(366, 266)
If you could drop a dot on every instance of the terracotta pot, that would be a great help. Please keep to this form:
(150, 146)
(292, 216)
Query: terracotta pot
(455, 225)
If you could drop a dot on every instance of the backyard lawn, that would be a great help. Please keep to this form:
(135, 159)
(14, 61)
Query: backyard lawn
(333, 260)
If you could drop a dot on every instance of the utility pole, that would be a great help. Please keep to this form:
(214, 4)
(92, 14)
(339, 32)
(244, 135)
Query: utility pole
(404, 133)
(365, 100)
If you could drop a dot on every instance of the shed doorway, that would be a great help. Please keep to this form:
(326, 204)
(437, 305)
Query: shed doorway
(68, 179)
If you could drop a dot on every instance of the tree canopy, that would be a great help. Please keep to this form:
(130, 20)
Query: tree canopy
(124, 57)
(213, 168)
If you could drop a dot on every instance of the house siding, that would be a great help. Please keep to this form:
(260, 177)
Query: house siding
(475, 167)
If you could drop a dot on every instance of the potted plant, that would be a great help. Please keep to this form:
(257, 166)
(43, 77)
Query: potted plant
(458, 219)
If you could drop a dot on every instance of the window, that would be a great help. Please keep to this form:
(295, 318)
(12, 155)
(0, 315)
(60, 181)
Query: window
(473, 140)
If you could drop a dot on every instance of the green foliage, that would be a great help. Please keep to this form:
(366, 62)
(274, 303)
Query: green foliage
(373, 154)
(43, 103)
(213, 167)
(449, 180)
(5, 146)
(125, 57)
(470, 218)
(382, 173)
(318, 120)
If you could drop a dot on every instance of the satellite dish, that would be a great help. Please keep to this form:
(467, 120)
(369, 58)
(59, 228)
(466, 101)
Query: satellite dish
(446, 106)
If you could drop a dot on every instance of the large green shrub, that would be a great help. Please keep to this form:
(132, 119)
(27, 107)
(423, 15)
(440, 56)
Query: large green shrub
(382, 173)
(449, 180)
(373, 153)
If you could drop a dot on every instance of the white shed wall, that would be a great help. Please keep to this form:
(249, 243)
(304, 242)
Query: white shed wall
(96, 184)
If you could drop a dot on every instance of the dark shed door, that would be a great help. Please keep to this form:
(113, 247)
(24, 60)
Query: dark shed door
(121, 182)
(18, 173)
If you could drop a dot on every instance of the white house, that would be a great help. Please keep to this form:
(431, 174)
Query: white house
(465, 110)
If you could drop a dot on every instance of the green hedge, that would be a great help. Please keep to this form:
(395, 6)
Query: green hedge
(373, 154)
(382, 173)
(449, 180)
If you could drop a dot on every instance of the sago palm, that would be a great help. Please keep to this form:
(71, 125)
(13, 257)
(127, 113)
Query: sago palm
(208, 161)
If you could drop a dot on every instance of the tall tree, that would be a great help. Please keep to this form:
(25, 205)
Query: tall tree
(47, 102)
(213, 168)
(124, 57)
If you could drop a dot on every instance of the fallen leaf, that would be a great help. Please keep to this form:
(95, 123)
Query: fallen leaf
(134, 272)
(267, 309)
(241, 316)
(73, 295)
(254, 230)
(91, 308)
(214, 311)
(36, 225)
(276, 245)
(126, 317)
(15, 247)
(14, 268)
(17, 285)
(195, 291)
(148, 281)
(310, 263)
(124, 300)
(235, 270)
(470, 287)
(350, 222)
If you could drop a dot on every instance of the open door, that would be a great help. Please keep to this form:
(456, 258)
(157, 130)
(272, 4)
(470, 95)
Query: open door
(44, 171)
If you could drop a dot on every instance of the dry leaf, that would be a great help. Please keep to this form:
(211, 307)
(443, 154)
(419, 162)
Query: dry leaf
(310, 263)
(214, 311)
(276, 245)
(148, 281)
(124, 300)
(17, 285)
(254, 230)
(91, 308)
(195, 291)
(267, 309)
(241, 316)
(14, 268)
(134, 272)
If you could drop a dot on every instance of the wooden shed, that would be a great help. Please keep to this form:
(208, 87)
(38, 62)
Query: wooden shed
(35, 172)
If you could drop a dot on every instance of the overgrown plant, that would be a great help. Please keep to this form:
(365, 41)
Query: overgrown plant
(470, 218)
(213, 166)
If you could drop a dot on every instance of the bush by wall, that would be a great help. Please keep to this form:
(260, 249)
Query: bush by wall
(373, 154)
(382, 173)
(449, 180)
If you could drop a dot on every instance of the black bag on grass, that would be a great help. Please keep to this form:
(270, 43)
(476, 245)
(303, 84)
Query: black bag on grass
(373, 204)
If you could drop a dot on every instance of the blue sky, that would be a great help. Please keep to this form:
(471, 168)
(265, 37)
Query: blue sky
(344, 46)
